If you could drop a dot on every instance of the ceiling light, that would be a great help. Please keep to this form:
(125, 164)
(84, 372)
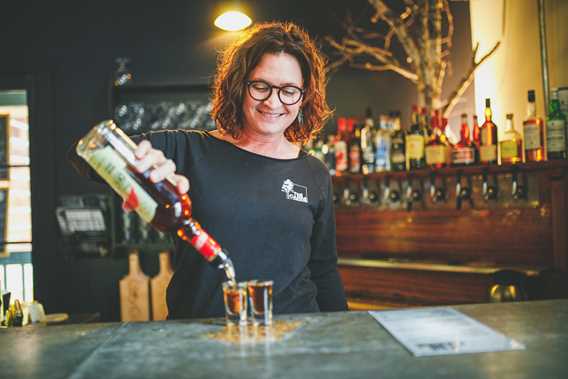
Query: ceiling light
(232, 21)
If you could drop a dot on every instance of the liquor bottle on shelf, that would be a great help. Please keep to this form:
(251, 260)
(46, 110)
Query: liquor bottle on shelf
(328, 150)
(367, 145)
(511, 146)
(341, 161)
(488, 138)
(382, 144)
(110, 153)
(415, 157)
(397, 157)
(436, 148)
(476, 137)
(463, 153)
(355, 152)
(556, 129)
(533, 130)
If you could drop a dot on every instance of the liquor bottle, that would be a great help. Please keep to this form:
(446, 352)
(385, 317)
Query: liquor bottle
(328, 150)
(533, 130)
(436, 148)
(488, 138)
(556, 129)
(476, 137)
(341, 163)
(415, 157)
(110, 153)
(463, 153)
(512, 144)
(355, 152)
(397, 157)
(367, 145)
(382, 145)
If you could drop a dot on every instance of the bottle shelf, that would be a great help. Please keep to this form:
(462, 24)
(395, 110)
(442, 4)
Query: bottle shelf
(454, 170)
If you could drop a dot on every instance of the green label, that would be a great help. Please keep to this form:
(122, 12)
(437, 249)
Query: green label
(112, 168)
(556, 136)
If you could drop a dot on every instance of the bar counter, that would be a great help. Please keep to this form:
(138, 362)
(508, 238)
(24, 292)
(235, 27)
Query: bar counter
(326, 345)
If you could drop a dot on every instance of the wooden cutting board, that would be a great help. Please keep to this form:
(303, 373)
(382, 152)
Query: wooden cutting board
(159, 285)
(134, 292)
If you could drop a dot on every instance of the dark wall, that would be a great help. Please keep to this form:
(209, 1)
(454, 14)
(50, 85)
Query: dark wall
(68, 51)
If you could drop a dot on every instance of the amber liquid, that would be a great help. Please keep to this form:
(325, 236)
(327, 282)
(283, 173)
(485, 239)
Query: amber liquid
(173, 209)
(172, 214)
(261, 297)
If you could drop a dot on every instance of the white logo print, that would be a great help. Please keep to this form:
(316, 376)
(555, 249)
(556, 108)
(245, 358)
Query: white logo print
(295, 191)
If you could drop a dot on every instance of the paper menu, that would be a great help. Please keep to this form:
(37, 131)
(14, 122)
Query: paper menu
(442, 331)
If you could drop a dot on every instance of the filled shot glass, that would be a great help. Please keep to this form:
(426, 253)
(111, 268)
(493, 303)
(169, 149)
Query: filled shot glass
(260, 296)
(235, 297)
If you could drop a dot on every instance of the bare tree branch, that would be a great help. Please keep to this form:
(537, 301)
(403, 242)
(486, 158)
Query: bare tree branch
(467, 79)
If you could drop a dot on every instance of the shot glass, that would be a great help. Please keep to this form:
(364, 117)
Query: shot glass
(260, 295)
(235, 297)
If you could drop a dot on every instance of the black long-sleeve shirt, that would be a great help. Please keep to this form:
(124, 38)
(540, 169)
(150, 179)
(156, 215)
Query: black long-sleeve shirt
(274, 216)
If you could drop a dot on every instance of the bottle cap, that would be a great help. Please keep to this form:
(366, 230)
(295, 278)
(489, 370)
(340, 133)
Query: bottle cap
(531, 95)
(509, 116)
(487, 103)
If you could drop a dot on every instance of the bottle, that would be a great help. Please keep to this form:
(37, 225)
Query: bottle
(382, 145)
(476, 137)
(533, 130)
(488, 138)
(397, 157)
(463, 153)
(110, 152)
(415, 157)
(328, 150)
(367, 145)
(556, 129)
(436, 149)
(341, 163)
(512, 144)
(355, 152)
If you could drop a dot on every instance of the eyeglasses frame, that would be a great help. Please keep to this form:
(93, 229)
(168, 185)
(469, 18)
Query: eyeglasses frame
(272, 87)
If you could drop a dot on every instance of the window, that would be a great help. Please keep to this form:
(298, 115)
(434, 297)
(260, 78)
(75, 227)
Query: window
(16, 271)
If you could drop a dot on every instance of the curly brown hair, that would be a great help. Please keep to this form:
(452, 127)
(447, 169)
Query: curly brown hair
(239, 59)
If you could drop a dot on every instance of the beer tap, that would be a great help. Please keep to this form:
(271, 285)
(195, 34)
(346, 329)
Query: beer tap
(489, 192)
(437, 193)
(389, 194)
(350, 197)
(518, 190)
(368, 196)
(463, 192)
(412, 194)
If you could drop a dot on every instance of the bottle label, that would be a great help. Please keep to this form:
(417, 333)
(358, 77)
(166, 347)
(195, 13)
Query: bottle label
(509, 149)
(436, 154)
(341, 156)
(415, 146)
(463, 155)
(532, 136)
(354, 159)
(205, 245)
(397, 156)
(556, 136)
(112, 168)
(488, 153)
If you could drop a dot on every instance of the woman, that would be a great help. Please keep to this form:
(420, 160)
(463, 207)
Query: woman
(252, 187)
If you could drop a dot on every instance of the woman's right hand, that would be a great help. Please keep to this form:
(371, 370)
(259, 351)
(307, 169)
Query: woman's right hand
(161, 167)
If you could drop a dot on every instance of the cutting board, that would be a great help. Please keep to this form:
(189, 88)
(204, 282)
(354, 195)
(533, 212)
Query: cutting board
(134, 292)
(159, 284)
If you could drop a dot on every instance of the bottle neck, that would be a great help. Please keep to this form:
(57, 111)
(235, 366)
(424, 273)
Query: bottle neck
(488, 114)
(531, 110)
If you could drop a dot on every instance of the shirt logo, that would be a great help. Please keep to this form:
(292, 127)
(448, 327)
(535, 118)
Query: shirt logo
(295, 191)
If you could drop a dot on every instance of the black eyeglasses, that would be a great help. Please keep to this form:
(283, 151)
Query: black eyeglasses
(260, 90)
